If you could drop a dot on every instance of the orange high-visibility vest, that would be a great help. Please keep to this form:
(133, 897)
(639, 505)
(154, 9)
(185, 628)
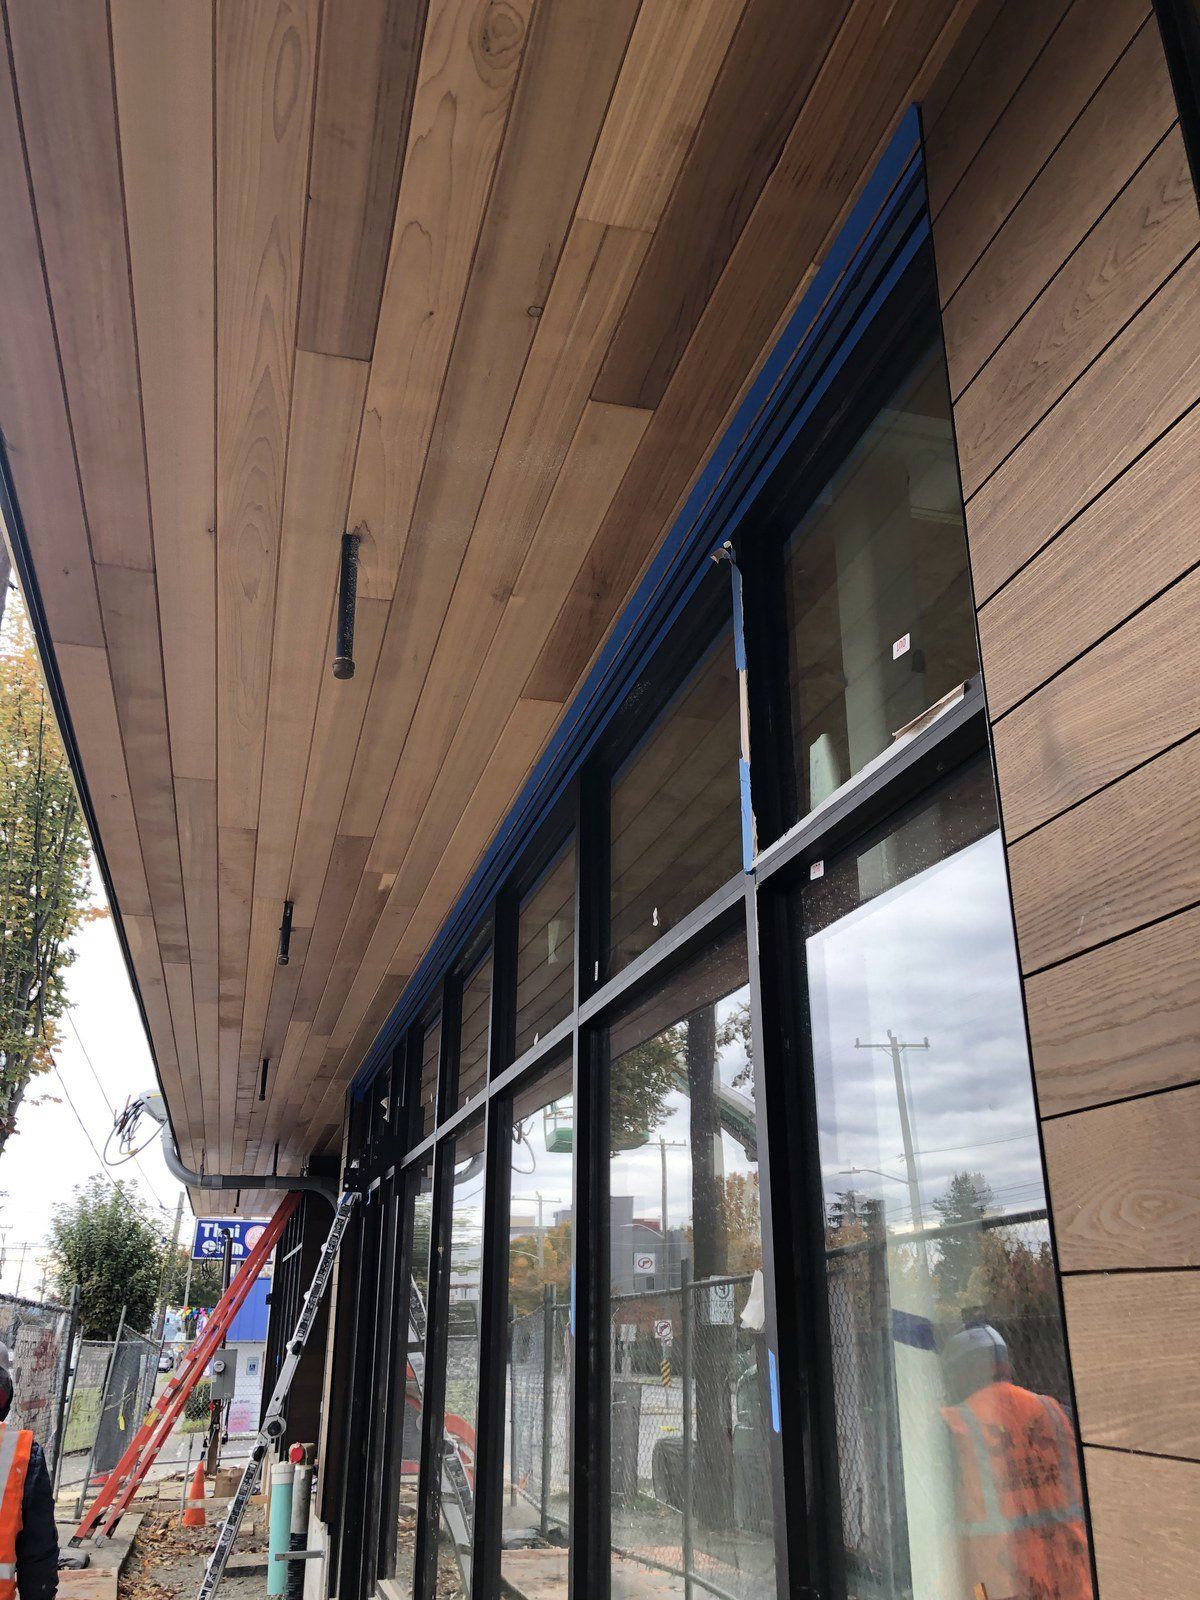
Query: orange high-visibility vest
(15, 1445)
(1021, 1529)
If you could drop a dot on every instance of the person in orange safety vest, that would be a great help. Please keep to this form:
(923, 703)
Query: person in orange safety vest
(1021, 1530)
(28, 1537)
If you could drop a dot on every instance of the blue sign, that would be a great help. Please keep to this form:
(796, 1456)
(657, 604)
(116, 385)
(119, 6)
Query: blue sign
(208, 1242)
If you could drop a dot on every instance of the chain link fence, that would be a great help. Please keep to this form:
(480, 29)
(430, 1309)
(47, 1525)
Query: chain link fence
(112, 1389)
(38, 1338)
(539, 1412)
(691, 1483)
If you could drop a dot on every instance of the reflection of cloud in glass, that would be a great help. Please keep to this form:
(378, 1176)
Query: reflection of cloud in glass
(933, 957)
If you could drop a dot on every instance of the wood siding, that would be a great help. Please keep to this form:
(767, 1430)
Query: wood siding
(1066, 234)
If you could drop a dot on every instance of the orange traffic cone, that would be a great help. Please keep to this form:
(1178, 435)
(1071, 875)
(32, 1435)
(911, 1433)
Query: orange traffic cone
(193, 1512)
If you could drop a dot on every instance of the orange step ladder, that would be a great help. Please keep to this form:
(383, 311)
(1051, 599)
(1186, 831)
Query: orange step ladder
(127, 1477)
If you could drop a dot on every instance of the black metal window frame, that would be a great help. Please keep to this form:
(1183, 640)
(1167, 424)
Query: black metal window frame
(807, 1520)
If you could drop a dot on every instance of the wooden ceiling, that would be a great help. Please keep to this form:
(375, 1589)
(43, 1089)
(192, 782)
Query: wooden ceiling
(479, 279)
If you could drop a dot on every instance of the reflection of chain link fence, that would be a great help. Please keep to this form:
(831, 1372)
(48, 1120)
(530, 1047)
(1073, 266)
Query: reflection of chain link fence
(38, 1339)
(539, 1414)
(691, 1484)
(894, 1301)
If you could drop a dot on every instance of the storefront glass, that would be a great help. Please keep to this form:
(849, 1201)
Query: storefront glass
(880, 620)
(691, 1483)
(536, 1513)
(410, 1360)
(675, 822)
(546, 951)
(956, 1445)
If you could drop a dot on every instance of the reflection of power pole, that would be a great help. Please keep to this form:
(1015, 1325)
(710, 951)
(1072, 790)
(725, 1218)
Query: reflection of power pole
(895, 1048)
(544, 1199)
(663, 1146)
(21, 1265)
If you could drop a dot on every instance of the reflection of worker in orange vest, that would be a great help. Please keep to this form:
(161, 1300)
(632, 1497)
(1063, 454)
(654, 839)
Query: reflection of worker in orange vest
(28, 1537)
(1021, 1530)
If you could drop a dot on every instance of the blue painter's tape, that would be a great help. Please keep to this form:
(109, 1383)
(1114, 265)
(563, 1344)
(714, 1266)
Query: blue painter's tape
(862, 266)
(773, 1383)
(747, 815)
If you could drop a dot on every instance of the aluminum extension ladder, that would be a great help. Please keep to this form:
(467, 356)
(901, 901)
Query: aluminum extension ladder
(273, 1421)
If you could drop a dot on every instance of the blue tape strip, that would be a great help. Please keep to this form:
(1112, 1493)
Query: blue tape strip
(747, 815)
(773, 1384)
(755, 440)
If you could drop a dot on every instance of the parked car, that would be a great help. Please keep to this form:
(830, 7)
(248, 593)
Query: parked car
(166, 1361)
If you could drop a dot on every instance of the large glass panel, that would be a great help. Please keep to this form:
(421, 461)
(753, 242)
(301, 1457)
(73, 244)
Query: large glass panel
(956, 1442)
(879, 608)
(546, 951)
(473, 1034)
(537, 1440)
(692, 1507)
(676, 816)
(411, 1321)
(431, 1048)
(461, 1410)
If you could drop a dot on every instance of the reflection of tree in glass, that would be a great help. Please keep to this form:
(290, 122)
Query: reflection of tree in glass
(968, 1198)
(640, 1082)
(527, 1279)
(741, 1222)
(734, 1029)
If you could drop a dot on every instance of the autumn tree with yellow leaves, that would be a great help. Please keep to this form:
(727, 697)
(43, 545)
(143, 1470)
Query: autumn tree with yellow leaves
(44, 876)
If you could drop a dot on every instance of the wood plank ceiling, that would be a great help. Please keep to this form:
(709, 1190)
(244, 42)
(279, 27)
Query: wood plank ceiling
(478, 279)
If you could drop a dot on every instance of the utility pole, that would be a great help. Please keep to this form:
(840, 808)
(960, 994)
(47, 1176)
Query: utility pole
(160, 1320)
(663, 1146)
(896, 1048)
(21, 1264)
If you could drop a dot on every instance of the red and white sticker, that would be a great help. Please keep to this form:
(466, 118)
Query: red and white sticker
(902, 646)
(817, 870)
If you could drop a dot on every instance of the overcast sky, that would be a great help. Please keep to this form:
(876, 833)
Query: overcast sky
(50, 1153)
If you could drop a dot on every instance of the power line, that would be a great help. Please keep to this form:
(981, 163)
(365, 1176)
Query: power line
(104, 1095)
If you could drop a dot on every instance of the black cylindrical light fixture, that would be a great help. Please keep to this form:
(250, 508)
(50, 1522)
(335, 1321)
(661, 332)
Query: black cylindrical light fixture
(343, 661)
(285, 934)
(262, 1079)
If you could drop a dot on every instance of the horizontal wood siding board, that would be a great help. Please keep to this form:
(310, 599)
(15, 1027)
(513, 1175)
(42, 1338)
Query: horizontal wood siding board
(1130, 253)
(1128, 698)
(1100, 154)
(1126, 547)
(1067, 74)
(1144, 1524)
(1123, 1020)
(966, 105)
(1135, 1351)
(778, 48)
(1120, 1200)
(1123, 859)
(366, 73)
(1131, 394)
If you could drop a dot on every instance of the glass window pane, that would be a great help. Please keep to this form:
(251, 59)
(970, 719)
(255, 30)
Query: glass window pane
(958, 1463)
(461, 1410)
(676, 817)
(411, 1360)
(431, 1047)
(546, 951)
(690, 1472)
(880, 620)
(473, 1034)
(536, 1512)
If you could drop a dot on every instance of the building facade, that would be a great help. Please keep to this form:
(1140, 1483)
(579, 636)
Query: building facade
(752, 976)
